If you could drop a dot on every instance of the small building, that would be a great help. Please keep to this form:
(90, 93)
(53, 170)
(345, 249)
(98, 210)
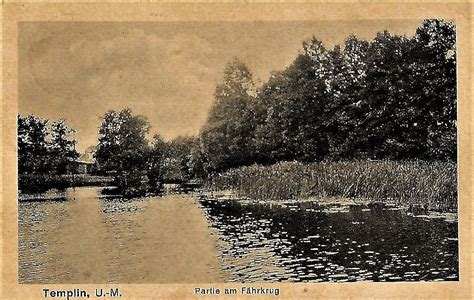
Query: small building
(84, 167)
(85, 164)
(81, 167)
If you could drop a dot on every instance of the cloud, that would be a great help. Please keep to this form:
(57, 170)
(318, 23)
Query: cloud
(169, 79)
(131, 64)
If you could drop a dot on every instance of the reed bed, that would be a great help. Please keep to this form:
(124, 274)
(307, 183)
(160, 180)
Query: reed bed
(429, 185)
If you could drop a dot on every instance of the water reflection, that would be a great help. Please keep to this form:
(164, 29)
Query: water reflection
(308, 242)
(90, 240)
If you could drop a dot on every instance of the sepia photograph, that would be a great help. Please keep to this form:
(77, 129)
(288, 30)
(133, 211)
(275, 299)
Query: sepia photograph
(320, 151)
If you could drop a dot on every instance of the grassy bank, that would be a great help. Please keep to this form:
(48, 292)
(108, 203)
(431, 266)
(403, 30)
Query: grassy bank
(42, 183)
(430, 185)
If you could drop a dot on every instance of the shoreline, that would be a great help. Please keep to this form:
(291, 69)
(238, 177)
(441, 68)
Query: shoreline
(330, 202)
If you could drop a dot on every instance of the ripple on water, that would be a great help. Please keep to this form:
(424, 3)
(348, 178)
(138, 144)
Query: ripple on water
(261, 242)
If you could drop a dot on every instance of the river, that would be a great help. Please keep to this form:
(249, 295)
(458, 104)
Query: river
(85, 238)
(308, 242)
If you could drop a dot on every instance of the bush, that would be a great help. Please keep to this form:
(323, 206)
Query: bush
(41, 183)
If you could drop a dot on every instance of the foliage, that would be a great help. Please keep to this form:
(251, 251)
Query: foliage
(198, 164)
(176, 159)
(391, 98)
(124, 151)
(226, 136)
(155, 169)
(61, 149)
(138, 166)
(44, 149)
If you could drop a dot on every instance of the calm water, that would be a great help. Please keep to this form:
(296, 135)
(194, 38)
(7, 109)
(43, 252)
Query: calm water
(86, 239)
(306, 242)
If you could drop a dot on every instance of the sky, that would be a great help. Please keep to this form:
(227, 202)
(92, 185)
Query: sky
(166, 71)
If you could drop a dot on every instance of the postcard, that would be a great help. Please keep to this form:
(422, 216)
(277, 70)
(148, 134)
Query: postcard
(236, 150)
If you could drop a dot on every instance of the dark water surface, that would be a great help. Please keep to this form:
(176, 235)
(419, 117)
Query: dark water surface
(306, 242)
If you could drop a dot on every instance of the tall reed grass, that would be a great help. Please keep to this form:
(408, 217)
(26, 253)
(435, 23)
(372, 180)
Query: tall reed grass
(430, 185)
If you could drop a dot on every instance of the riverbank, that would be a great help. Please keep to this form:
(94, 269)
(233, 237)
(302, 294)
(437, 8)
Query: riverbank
(414, 184)
(33, 183)
(332, 205)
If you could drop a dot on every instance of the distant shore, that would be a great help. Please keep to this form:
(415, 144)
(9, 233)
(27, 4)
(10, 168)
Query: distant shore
(37, 184)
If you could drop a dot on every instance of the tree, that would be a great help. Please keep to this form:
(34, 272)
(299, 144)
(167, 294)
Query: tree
(62, 149)
(123, 150)
(44, 153)
(270, 131)
(346, 72)
(296, 98)
(176, 157)
(155, 169)
(44, 149)
(384, 102)
(434, 85)
(32, 153)
(227, 137)
(33, 147)
(198, 163)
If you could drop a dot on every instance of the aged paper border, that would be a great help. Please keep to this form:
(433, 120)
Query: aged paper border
(14, 12)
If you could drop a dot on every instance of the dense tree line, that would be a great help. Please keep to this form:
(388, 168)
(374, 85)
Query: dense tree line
(176, 159)
(391, 98)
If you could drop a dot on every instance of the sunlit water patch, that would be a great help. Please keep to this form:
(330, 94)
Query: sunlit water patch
(311, 243)
(89, 238)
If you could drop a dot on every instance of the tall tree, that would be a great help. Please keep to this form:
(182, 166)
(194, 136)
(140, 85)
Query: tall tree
(384, 100)
(296, 98)
(270, 134)
(346, 72)
(62, 148)
(434, 85)
(33, 146)
(227, 137)
(155, 169)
